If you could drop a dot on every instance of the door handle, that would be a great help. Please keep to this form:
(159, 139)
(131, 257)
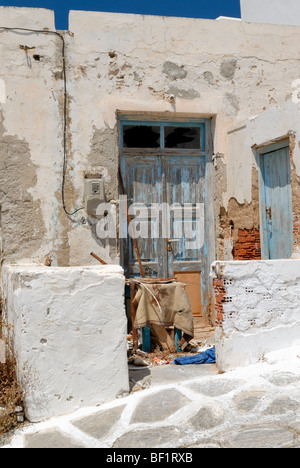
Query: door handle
(170, 241)
(269, 212)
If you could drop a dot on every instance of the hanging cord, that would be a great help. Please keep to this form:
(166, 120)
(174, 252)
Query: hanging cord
(55, 33)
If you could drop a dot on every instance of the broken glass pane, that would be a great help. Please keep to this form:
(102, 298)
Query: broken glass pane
(183, 137)
(141, 136)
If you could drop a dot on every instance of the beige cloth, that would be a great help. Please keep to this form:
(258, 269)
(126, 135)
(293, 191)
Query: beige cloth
(174, 307)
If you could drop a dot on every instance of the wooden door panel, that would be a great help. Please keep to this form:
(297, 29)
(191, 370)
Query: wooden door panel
(184, 186)
(278, 217)
(192, 279)
(142, 177)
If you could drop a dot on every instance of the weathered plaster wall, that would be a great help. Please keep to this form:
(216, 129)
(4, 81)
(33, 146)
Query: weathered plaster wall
(69, 335)
(226, 70)
(30, 138)
(257, 307)
(239, 210)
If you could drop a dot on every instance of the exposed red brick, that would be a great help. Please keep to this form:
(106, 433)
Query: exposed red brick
(248, 246)
(296, 230)
(220, 293)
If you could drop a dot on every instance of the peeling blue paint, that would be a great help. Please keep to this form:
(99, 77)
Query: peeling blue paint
(276, 204)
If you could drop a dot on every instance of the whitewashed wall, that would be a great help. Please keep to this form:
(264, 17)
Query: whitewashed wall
(271, 11)
(69, 332)
(261, 310)
(229, 71)
(265, 127)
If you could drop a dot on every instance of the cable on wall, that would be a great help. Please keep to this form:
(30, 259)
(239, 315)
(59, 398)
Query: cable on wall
(55, 33)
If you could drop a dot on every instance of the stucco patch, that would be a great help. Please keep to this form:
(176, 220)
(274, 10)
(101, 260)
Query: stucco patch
(174, 71)
(228, 68)
(209, 77)
(231, 104)
(22, 222)
(188, 94)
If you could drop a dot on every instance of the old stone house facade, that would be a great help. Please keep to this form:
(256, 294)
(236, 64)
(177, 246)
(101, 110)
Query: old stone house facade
(75, 106)
(239, 77)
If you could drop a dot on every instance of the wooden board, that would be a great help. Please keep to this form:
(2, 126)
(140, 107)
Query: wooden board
(193, 281)
(164, 338)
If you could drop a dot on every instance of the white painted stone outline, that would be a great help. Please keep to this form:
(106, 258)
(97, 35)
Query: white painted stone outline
(250, 377)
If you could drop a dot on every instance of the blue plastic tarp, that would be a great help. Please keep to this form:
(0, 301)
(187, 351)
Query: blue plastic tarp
(207, 357)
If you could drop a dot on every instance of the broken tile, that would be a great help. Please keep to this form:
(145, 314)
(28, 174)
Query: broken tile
(282, 405)
(210, 415)
(216, 387)
(246, 401)
(283, 379)
(50, 439)
(264, 436)
(149, 438)
(159, 406)
(100, 424)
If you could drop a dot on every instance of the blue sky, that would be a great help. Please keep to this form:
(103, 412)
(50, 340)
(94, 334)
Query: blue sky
(209, 9)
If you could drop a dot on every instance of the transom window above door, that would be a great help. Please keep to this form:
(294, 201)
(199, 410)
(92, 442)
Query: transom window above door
(162, 136)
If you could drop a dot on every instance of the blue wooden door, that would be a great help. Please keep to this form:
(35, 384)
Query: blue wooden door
(185, 192)
(171, 193)
(276, 204)
(142, 177)
(166, 168)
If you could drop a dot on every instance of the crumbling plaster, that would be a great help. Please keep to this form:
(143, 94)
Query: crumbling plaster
(238, 179)
(31, 138)
(260, 310)
(132, 63)
(227, 73)
(21, 217)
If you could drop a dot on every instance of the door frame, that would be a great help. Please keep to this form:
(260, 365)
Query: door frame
(260, 152)
(207, 145)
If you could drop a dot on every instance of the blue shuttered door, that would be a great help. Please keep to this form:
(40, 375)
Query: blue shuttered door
(185, 187)
(142, 176)
(177, 184)
(276, 206)
(163, 166)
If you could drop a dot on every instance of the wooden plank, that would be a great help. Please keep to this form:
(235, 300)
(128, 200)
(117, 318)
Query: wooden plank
(133, 315)
(184, 187)
(142, 178)
(164, 338)
(99, 259)
(193, 281)
(130, 226)
(202, 329)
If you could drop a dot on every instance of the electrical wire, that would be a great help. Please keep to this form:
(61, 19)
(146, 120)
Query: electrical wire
(55, 33)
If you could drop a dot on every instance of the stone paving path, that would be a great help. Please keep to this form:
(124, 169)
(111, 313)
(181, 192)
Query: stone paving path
(187, 407)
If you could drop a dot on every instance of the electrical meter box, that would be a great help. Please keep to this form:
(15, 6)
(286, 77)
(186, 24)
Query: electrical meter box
(94, 195)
